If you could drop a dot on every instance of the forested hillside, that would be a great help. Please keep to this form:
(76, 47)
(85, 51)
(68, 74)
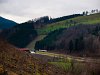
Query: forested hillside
(26, 32)
(23, 34)
(20, 35)
(81, 38)
(5, 23)
(80, 35)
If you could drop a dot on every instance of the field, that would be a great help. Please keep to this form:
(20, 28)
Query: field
(58, 60)
(71, 64)
(68, 57)
(64, 65)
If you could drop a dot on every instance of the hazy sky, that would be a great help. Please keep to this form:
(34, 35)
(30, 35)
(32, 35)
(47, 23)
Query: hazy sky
(23, 10)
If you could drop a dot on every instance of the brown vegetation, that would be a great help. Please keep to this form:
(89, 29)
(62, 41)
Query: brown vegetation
(15, 62)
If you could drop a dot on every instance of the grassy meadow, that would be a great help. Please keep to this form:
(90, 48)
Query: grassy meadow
(89, 19)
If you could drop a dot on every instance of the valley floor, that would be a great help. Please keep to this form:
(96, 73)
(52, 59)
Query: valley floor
(72, 65)
(51, 56)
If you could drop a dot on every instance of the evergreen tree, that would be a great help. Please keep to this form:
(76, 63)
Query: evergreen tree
(71, 46)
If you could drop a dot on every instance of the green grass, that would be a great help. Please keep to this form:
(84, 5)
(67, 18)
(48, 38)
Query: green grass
(32, 44)
(51, 27)
(47, 53)
(65, 66)
(90, 19)
(70, 66)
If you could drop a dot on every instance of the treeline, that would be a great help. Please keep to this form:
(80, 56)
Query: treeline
(40, 22)
(48, 42)
(87, 42)
(80, 39)
(64, 18)
(94, 11)
(20, 35)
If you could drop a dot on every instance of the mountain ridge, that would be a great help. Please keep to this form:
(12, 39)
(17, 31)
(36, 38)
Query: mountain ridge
(6, 23)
